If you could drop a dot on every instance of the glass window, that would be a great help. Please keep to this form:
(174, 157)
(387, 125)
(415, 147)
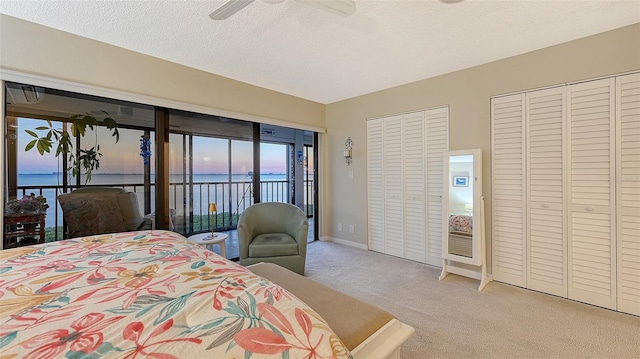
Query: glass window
(274, 167)
(211, 162)
(210, 158)
(120, 165)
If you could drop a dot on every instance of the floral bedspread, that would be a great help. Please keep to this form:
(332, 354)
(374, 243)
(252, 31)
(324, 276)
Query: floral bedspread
(150, 294)
(461, 224)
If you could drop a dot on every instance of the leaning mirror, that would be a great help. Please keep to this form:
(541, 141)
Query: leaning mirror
(463, 230)
(463, 223)
(462, 204)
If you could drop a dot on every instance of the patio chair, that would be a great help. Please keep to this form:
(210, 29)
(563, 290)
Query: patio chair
(97, 210)
(273, 232)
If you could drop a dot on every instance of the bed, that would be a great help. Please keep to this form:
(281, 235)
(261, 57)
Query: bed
(149, 294)
(461, 235)
(366, 330)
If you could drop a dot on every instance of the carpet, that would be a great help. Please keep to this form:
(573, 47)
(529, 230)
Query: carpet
(453, 320)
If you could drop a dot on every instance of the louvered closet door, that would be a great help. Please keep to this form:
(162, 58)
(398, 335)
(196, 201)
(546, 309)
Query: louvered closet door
(591, 247)
(393, 186)
(414, 187)
(508, 189)
(375, 184)
(437, 135)
(546, 247)
(628, 195)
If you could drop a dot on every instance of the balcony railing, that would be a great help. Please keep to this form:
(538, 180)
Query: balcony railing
(232, 198)
(190, 202)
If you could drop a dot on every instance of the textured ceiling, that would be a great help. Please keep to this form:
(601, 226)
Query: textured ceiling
(304, 51)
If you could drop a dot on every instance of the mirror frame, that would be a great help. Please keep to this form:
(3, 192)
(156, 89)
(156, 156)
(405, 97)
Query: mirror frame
(476, 239)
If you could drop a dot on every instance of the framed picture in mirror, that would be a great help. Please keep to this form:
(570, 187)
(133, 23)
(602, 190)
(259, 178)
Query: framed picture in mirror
(460, 181)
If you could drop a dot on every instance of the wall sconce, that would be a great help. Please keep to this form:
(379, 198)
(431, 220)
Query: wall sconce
(348, 149)
(213, 208)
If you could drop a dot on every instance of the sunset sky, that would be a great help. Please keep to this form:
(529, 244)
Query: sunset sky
(209, 157)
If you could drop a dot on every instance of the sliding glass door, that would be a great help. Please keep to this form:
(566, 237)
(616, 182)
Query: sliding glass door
(120, 164)
(275, 184)
(211, 159)
(197, 160)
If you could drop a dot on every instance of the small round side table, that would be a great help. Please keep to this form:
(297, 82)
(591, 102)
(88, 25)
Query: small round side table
(206, 240)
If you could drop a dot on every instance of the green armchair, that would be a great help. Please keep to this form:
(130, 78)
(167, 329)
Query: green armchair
(273, 232)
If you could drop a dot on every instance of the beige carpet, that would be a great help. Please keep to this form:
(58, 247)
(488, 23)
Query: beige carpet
(453, 320)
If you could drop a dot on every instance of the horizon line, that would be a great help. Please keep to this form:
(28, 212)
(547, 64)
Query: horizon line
(115, 173)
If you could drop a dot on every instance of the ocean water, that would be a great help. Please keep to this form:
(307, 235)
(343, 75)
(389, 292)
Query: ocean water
(117, 178)
(207, 188)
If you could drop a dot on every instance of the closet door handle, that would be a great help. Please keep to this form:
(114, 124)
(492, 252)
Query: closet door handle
(588, 209)
(545, 206)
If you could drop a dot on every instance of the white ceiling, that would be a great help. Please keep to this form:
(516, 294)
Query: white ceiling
(303, 51)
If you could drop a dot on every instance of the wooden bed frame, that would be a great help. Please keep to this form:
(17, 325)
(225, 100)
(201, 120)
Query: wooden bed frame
(385, 342)
(366, 330)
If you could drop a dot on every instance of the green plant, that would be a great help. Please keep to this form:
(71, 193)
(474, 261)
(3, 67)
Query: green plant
(82, 160)
(27, 204)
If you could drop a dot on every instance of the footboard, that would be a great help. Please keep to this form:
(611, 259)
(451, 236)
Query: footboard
(385, 342)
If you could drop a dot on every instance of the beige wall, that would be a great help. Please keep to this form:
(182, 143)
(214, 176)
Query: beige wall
(40, 50)
(468, 94)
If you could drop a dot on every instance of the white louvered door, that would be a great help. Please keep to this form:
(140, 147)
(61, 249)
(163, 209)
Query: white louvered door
(404, 170)
(414, 187)
(375, 184)
(628, 192)
(508, 188)
(591, 216)
(581, 170)
(546, 247)
(393, 186)
(437, 143)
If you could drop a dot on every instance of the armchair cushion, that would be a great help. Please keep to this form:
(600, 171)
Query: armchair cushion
(127, 201)
(273, 244)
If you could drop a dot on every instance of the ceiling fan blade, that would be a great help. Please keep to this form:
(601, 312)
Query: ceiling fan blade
(229, 8)
(340, 7)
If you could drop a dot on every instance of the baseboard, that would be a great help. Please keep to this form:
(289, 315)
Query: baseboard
(344, 242)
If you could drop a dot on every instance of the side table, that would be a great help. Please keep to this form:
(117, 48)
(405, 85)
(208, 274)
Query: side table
(22, 229)
(206, 240)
